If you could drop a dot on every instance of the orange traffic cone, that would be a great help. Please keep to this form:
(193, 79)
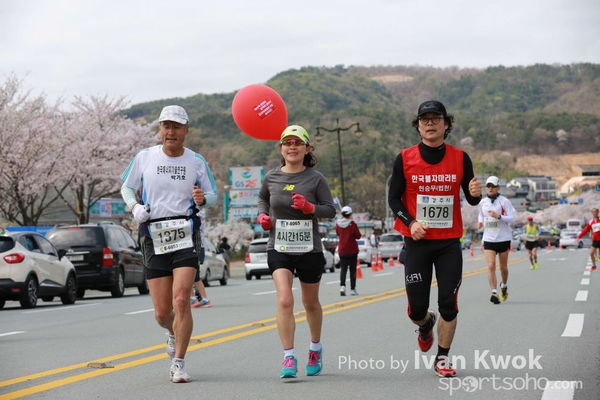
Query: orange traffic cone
(549, 245)
(373, 263)
(481, 248)
(359, 274)
(471, 252)
(511, 249)
(379, 263)
(391, 262)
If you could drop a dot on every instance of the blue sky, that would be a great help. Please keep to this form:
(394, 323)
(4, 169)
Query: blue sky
(151, 50)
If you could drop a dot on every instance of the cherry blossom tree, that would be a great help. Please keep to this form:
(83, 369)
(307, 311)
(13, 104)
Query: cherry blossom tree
(48, 154)
(102, 143)
(237, 232)
(32, 176)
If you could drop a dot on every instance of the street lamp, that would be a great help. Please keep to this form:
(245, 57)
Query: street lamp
(358, 132)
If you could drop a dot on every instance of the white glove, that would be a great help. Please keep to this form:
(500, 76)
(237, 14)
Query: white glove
(139, 213)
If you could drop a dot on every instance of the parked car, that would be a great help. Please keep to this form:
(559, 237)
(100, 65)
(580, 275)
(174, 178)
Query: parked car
(516, 242)
(214, 267)
(105, 257)
(465, 243)
(364, 253)
(31, 268)
(548, 237)
(389, 245)
(329, 263)
(569, 239)
(256, 259)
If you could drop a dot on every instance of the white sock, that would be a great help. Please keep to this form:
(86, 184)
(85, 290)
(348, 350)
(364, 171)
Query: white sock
(494, 291)
(205, 299)
(502, 285)
(179, 361)
(289, 352)
(315, 346)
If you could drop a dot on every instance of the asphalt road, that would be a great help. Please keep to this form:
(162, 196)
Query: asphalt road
(545, 335)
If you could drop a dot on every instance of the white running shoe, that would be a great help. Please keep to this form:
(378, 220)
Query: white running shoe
(178, 374)
(170, 348)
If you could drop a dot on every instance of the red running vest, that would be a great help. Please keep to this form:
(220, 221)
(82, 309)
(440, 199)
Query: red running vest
(441, 179)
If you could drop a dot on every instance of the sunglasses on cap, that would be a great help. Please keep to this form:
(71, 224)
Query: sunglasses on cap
(489, 185)
(293, 142)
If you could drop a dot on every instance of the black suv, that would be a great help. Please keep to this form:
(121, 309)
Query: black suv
(105, 257)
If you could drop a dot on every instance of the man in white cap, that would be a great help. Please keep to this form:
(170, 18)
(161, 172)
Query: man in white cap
(175, 183)
(496, 212)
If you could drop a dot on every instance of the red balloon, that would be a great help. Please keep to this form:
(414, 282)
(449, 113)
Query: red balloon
(259, 112)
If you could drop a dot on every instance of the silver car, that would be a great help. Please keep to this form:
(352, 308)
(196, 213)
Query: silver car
(390, 244)
(214, 267)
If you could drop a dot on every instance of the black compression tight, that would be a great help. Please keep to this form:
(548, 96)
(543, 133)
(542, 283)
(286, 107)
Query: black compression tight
(421, 258)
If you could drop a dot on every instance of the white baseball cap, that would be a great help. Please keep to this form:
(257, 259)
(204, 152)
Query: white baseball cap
(493, 180)
(346, 210)
(173, 113)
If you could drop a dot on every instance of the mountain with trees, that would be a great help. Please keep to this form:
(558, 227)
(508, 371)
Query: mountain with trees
(501, 113)
(67, 160)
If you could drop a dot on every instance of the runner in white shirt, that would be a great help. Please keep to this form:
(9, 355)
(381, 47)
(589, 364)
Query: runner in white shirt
(496, 212)
(173, 181)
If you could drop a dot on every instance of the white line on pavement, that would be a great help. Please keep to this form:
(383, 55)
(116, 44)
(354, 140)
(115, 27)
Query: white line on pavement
(387, 273)
(581, 295)
(574, 326)
(269, 292)
(559, 390)
(60, 308)
(11, 333)
(139, 312)
(585, 281)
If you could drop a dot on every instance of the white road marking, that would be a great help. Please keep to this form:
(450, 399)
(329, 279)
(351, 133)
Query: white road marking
(63, 308)
(574, 326)
(269, 292)
(139, 312)
(387, 273)
(587, 272)
(585, 281)
(581, 295)
(11, 333)
(559, 390)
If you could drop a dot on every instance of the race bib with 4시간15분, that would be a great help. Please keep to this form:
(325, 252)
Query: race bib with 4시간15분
(171, 235)
(435, 211)
(294, 236)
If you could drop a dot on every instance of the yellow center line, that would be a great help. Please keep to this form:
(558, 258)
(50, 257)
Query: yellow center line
(263, 326)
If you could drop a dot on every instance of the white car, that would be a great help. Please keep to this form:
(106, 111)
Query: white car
(214, 267)
(329, 261)
(569, 239)
(364, 253)
(32, 268)
(256, 259)
(516, 242)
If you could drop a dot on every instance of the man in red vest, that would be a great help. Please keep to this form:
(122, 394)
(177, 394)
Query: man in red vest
(424, 195)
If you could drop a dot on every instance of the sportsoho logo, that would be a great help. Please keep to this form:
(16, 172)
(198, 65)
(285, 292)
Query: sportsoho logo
(472, 384)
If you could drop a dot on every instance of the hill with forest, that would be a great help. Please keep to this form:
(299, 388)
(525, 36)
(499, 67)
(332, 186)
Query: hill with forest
(503, 114)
